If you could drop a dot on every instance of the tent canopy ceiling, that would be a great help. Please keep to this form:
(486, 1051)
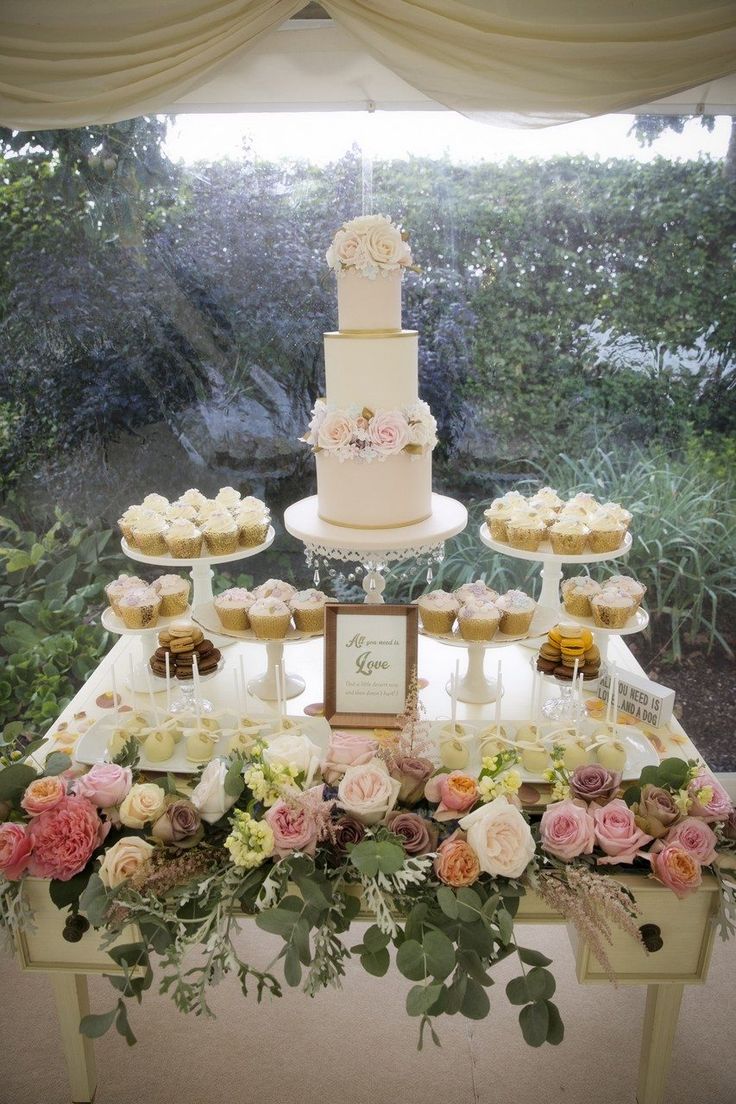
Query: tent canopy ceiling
(312, 64)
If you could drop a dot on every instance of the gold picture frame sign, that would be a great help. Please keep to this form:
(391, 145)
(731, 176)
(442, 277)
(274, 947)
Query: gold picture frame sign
(370, 659)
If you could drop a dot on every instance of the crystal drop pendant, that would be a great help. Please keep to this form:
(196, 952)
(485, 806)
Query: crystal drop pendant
(316, 577)
(430, 575)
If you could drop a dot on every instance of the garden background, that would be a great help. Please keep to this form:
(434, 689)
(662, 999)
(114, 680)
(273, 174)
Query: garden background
(161, 327)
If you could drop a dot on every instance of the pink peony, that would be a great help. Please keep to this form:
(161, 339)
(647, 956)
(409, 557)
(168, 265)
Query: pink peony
(616, 832)
(389, 432)
(694, 836)
(708, 799)
(347, 749)
(15, 850)
(43, 794)
(105, 784)
(293, 829)
(567, 830)
(676, 868)
(456, 794)
(65, 838)
(335, 431)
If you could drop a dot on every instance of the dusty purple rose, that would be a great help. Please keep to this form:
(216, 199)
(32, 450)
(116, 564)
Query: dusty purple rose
(419, 836)
(655, 811)
(180, 824)
(412, 772)
(347, 830)
(594, 783)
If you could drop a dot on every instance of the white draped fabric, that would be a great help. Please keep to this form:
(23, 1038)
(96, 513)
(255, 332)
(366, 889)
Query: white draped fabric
(66, 63)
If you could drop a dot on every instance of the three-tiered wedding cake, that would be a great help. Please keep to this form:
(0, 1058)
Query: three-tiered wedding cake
(372, 436)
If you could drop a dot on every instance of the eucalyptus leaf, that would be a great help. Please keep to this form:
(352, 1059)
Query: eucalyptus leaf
(421, 998)
(555, 1028)
(94, 1027)
(476, 1004)
(56, 763)
(534, 1020)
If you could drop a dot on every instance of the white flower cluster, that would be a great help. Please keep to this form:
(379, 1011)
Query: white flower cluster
(370, 245)
(361, 434)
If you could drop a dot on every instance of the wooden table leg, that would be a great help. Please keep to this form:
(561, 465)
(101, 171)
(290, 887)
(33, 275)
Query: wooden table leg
(72, 1002)
(660, 1024)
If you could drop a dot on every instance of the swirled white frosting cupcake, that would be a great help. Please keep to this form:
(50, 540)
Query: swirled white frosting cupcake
(437, 611)
(179, 510)
(275, 588)
(585, 499)
(227, 498)
(115, 590)
(574, 510)
(607, 531)
(475, 592)
(569, 536)
(499, 512)
(130, 517)
(632, 587)
(193, 497)
(624, 516)
(611, 608)
(546, 498)
(220, 533)
(308, 608)
(525, 530)
(517, 610)
(270, 618)
(174, 594)
(184, 539)
(577, 593)
(140, 608)
(156, 502)
(149, 532)
(207, 508)
(478, 621)
(232, 608)
(252, 524)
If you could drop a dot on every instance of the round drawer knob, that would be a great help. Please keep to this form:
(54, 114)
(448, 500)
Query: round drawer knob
(651, 937)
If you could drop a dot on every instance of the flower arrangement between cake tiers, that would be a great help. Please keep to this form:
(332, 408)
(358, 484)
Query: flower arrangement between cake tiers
(370, 245)
(306, 841)
(362, 434)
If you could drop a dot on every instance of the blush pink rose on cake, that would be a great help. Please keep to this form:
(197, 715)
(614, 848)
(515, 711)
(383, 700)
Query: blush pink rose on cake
(335, 431)
(389, 432)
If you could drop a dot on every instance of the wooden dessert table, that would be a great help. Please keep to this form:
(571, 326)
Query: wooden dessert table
(685, 926)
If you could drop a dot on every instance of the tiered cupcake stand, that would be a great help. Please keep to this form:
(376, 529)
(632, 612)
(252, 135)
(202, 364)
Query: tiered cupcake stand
(138, 677)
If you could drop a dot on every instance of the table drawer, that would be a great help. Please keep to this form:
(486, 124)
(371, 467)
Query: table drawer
(46, 949)
(686, 930)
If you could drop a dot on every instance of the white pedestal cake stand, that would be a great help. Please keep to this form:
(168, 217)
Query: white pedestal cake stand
(374, 549)
(201, 570)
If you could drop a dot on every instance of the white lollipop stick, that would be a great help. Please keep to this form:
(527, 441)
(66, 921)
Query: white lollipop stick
(499, 692)
(575, 693)
(151, 698)
(614, 696)
(453, 694)
(283, 689)
(238, 697)
(131, 673)
(197, 697)
(244, 681)
(167, 661)
(114, 689)
(279, 706)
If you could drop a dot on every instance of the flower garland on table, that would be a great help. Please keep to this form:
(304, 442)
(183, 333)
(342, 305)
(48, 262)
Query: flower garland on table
(363, 434)
(300, 839)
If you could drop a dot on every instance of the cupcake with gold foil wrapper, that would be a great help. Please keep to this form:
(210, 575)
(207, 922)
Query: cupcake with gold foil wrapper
(220, 533)
(140, 609)
(577, 594)
(478, 622)
(253, 522)
(184, 539)
(437, 611)
(568, 536)
(149, 533)
(611, 608)
(232, 608)
(526, 530)
(174, 594)
(517, 610)
(607, 531)
(270, 618)
(499, 512)
(308, 610)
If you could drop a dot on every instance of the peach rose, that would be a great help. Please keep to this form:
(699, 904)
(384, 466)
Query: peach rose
(145, 802)
(500, 837)
(389, 432)
(335, 431)
(43, 794)
(456, 793)
(123, 860)
(15, 850)
(64, 838)
(676, 868)
(456, 863)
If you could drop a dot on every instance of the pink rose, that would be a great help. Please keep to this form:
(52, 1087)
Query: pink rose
(567, 830)
(335, 431)
(294, 829)
(676, 868)
(15, 850)
(347, 749)
(417, 834)
(389, 432)
(456, 793)
(65, 838)
(105, 784)
(368, 792)
(456, 863)
(616, 832)
(43, 794)
(694, 836)
(708, 799)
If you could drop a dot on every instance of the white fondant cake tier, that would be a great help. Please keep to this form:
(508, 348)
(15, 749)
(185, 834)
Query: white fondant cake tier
(383, 494)
(364, 304)
(374, 370)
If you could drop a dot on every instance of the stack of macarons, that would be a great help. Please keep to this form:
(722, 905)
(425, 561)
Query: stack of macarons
(567, 643)
(183, 641)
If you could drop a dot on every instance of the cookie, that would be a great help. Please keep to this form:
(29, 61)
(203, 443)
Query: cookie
(549, 651)
(554, 635)
(592, 654)
(546, 665)
(568, 630)
(564, 673)
(587, 638)
(179, 646)
(572, 649)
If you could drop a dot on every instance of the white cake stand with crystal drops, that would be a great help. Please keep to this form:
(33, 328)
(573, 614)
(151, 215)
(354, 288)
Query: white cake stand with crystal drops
(142, 677)
(374, 549)
(201, 570)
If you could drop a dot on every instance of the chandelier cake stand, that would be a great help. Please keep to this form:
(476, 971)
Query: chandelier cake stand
(374, 549)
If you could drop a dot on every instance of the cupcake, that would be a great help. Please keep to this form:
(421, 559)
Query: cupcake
(526, 530)
(546, 498)
(308, 608)
(174, 594)
(149, 533)
(270, 618)
(115, 590)
(437, 611)
(130, 518)
(607, 531)
(232, 608)
(478, 622)
(623, 515)
(577, 593)
(517, 610)
(193, 497)
(140, 608)
(227, 497)
(574, 510)
(220, 534)
(586, 501)
(568, 536)
(183, 538)
(475, 592)
(275, 588)
(253, 522)
(499, 512)
(156, 502)
(179, 510)
(632, 587)
(611, 608)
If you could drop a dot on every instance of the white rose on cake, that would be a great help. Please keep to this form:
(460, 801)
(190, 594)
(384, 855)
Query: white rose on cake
(422, 428)
(369, 244)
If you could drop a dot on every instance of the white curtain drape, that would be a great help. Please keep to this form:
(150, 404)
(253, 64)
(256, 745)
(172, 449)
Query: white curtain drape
(66, 63)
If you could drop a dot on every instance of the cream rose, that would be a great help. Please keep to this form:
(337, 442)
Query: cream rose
(294, 750)
(368, 792)
(346, 251)
(500, 837)
(124, 859)
(384, 245)
(145, 802)
(335, 431)
(389, 432)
